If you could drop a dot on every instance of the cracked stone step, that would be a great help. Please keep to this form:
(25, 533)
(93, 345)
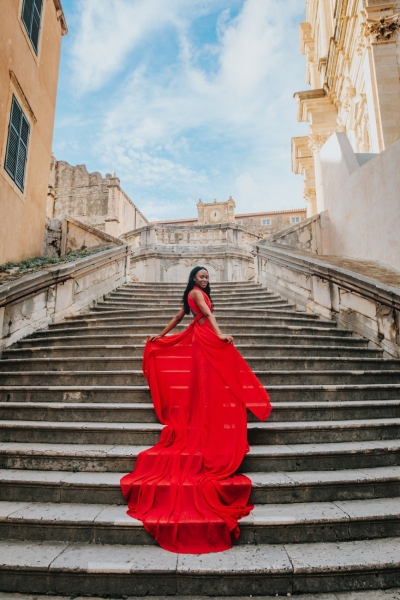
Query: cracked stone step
(127, 377)
(273, 363)
(18, 485)
(47, 338)
(234, 329)
(119, 394)
(115, 570)
(92, 432)
(392, 594)
(223, 321)
(103, 309)
(267, 524)
(262, 458)
(143, 412)
(136, 351)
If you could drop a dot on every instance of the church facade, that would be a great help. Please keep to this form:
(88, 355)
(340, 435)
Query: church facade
(352, 67)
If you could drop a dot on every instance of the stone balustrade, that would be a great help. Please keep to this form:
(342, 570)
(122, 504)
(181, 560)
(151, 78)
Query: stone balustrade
(168, 252)
(34, 301)
(346, 292)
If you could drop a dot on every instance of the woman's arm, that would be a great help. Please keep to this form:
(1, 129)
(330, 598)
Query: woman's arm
(199, 299)
(173, 323)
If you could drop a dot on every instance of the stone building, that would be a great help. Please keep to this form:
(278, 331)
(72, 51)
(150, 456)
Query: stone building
(352, 66)
(92, 199)
(261, 223)
(30, 43)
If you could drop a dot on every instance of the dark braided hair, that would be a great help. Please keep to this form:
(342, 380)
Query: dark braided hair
(190, 286)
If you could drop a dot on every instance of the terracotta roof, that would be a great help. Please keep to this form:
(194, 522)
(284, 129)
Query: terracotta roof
(191, 219)
(272, 212)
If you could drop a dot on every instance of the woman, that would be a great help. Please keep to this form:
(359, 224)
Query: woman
(184, 489)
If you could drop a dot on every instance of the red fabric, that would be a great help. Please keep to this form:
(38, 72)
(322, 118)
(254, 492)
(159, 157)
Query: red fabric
(184, 489)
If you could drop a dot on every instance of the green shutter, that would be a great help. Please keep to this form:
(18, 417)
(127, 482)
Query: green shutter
(17, 145)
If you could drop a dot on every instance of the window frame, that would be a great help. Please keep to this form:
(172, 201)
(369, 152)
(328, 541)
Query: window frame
(29, 28)
(295, 220)
(13, 129)
(266, 222)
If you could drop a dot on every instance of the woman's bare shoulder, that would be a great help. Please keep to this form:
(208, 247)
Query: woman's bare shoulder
(195, 294)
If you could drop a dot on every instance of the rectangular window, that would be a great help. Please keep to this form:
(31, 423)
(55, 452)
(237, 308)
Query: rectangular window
(17, 145)
(31, 17)
(295, 219)
(266, 221)
(239, 222)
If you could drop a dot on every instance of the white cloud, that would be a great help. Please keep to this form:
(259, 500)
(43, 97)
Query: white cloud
(159, 124)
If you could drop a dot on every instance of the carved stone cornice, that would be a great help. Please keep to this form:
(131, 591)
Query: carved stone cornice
(381, 30)
(309, 194)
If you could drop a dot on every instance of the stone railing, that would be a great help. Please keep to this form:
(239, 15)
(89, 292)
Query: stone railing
(34, 301)
(166, 253)
(192, 235)
(364, 305)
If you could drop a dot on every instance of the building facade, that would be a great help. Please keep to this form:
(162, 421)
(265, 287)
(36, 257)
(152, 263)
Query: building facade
(30, 44)
(352, 55)
(261, 223)
(92, 199)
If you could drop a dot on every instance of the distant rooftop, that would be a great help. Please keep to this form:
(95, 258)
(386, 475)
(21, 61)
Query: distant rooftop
(241, 215)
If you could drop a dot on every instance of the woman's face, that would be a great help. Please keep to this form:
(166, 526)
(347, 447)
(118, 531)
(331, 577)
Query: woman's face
(201, 278)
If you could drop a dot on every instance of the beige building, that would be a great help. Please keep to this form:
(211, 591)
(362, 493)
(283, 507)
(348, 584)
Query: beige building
(352, 66)
(262, 223)
(30, 43)
(92, 199)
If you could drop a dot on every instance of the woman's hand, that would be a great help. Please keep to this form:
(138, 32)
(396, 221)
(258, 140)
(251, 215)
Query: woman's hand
(153, 338)
(226, 338)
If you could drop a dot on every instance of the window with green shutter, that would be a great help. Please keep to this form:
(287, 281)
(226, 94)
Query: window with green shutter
(31, 17)
(17, 145)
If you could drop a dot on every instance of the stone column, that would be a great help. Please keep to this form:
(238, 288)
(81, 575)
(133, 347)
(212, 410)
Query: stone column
(310, 197)
(316, 141)
(380, 30)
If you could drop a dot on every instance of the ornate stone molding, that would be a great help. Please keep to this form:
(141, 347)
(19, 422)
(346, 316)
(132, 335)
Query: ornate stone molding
(21, 96)
(316, 141)
(381, 30)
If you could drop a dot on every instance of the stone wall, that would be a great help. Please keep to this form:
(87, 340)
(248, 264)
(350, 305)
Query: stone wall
(362, 202)
(92, 199)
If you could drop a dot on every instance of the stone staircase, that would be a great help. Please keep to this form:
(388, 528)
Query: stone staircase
(325, 467)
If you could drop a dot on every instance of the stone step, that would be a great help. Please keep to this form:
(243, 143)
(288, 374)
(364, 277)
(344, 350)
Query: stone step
(317, 337)
(127, 377)
(307, 328)
(392, 594)
(267, 524)
(217, 286)
(256, 303)
(143, 412)
(289, 432)
(264, 459)
(117, 570)
(119, 394)
(17, 485)
(219, 296)
(160, 321)
(104, 310)
(275, 363)
(136, 352)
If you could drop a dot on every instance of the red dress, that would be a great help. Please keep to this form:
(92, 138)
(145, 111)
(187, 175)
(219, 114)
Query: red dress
(184, 489)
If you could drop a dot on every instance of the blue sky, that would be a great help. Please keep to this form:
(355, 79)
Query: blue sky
(184, 99)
